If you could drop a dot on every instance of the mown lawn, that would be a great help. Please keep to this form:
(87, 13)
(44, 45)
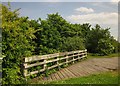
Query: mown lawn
(96, 56)
(110, 77)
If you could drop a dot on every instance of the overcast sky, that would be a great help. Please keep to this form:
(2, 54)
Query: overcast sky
(104, 13)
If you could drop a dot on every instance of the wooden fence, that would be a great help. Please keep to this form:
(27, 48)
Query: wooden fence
(50, 61)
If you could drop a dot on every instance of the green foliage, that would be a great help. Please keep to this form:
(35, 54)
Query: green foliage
(105, 47)
(116, 44)
(56, 33)
(17, 43)
(73, 43)
(22, 37)
(98, 41)
(85, 30)
(48, 39)
(11, 76)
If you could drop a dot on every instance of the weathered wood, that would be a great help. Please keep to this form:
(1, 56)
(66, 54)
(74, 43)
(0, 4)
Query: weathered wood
(60, 75)
(63, 74)
(58, 63)
(63, 53)
(71, 74)
(63, 58)
(70, 52)
(66, 73)
(53, 77)
(25, 70)
(35, 64)
(45, 65)
(66, 60)
(57, 76)
(84, 68)
(53, 55)
(52, 67)
(35, 58)
(70, 56)
(62, 63)
(37, 71)
(73, 58)
(52, 58)
(69, 61)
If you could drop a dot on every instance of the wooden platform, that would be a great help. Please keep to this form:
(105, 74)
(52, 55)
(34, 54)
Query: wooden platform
(84, 68)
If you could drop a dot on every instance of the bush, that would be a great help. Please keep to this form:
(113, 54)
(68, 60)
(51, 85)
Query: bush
(105, 47)
(73, 43)
(17, 36)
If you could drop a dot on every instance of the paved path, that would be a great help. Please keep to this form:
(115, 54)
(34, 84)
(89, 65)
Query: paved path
(84, 68)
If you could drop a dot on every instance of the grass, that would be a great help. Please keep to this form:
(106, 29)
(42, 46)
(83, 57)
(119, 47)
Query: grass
(110, 77)
(107, 56)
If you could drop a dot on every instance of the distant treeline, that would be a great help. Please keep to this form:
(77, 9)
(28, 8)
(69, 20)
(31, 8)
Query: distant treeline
(23, 37)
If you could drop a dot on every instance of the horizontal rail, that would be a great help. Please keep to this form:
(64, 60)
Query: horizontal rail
(35, 58)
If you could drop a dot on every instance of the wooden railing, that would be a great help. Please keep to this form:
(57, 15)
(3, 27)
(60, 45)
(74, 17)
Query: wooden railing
(57, 59)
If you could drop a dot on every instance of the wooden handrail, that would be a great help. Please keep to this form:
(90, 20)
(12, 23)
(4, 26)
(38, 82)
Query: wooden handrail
(44, 60)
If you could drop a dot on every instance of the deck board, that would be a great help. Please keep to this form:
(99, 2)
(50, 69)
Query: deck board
(84, 68)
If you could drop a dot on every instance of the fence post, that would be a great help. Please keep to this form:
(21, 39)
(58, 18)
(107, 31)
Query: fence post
(25, 70)
(45, 64)
(66, 59)
(79, 56)
(45, 67)
(58, 63)
(85, 53)
(73, 58)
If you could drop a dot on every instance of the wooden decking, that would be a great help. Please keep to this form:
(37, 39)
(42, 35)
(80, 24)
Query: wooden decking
(84, 68)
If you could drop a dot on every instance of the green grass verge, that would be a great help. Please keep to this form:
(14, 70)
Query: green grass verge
(110, 77)
(107, 56)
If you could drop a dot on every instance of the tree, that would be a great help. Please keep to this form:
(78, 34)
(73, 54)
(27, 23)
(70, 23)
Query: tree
(17, 36)
(85, 28)
(104, 47)
(94, 37)
(73, 43)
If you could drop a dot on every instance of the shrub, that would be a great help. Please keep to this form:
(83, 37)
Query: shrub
(105, 47)
(73, 43)
(17, 42)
